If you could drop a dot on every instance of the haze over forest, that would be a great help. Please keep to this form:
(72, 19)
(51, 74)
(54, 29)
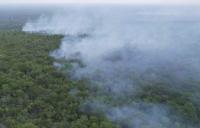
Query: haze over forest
(100, 66)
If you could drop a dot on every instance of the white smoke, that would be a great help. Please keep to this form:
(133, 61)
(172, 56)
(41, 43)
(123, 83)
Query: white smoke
(119, 47)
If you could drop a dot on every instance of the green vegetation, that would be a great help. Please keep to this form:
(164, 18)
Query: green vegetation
(178, 101)
(33, 94)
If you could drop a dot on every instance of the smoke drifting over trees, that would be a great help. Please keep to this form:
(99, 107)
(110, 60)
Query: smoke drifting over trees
(121, 51)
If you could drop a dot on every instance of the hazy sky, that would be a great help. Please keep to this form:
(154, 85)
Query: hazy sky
(102, 1)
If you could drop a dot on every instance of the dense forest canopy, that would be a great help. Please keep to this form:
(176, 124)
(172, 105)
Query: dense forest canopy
(37, 90)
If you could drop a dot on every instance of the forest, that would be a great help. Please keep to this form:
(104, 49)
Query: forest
(34, 93)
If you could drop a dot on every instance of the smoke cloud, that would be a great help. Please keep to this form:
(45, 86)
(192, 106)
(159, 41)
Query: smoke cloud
(119, 49)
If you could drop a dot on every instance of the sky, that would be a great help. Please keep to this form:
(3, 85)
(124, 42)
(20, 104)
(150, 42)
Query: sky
(179, 2)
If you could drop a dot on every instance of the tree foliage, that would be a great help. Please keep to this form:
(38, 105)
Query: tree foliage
(33, 94)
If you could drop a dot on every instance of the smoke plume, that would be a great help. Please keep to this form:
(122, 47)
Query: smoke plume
(120, 49)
